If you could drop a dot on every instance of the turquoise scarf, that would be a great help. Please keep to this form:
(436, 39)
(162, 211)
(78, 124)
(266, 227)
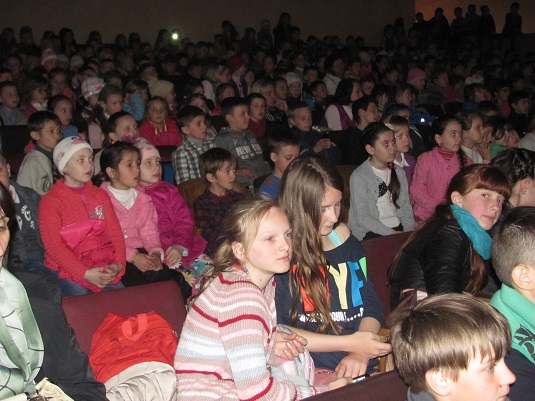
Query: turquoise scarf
(520, 313)
(480, 238)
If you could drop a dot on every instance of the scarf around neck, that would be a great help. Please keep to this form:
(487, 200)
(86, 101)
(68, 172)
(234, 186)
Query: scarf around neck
(478, 236)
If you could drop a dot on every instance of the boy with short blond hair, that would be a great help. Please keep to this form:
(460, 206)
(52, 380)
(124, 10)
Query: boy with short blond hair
(218, 167)
(283, 147)
(36, 170)
(196, 140)
(451, 347)
(514, 262)
(238, 139)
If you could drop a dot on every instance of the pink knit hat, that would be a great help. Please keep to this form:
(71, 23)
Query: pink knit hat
(415, 74)
(48, 54)
(92, 86)
(146, 149)
(66, 148)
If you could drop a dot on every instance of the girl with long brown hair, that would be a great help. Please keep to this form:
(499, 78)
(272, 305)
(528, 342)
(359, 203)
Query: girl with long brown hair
(326, 297)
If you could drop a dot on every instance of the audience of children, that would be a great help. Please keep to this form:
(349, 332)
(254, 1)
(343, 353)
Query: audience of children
(84, 245)
(275, 108)
(448, 252)
(326, 296)
(380, 203)
(36, 170)
(218, 168)
(238, 139)
(514, 263)
(282, 148)
(196, 140)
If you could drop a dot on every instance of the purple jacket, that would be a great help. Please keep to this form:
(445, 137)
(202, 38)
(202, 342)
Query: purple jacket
(175, 220)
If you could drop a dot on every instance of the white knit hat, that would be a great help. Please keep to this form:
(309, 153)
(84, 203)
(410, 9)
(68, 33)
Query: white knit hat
(66, 148)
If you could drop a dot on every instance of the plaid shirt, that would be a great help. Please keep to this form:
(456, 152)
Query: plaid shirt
(186, 159)
(210, 212)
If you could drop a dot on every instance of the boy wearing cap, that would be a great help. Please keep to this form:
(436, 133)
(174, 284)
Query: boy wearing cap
(36, 169)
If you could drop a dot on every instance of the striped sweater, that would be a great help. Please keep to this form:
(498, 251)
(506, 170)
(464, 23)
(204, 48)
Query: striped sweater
(227, 344)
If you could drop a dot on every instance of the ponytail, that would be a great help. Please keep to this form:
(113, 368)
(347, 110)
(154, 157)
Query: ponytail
(394, 187)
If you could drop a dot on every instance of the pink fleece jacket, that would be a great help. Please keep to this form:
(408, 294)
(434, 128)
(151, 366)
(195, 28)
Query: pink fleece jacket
(175, 220)
(430, 182)
(139, 223)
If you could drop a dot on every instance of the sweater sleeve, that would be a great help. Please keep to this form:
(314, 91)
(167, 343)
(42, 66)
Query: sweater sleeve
(332, 116)
(50, 222)
(113, 229)
(405, 213)
(423, 198)
(183, 224)
(443, 259)
(241, 326)
(360, 203)
(149, 233)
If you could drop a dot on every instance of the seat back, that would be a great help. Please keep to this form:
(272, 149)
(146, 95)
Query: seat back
(380, 253)
(14, 140)
(383, 387)
(191, 190)
(86, 312)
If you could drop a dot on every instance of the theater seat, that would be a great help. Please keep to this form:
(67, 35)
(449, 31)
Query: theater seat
(380, 253)
(86, 312)
(382, 387)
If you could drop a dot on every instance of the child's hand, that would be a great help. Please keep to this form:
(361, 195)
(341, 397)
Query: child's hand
(157, 260)
(368, 345)
(100, 276)
(244, 172)
(288, 346)
(281, 104)
(344, 381)
(115, 268)
(351, 366)
(144, 262)
(322, 144)
(173, 254)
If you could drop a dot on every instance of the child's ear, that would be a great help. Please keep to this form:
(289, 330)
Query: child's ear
(273, 157)
(210, 177)
(438, 139)
(369, 149)
(35, 135)
(184, 130)
(456, 198)
(113, 136)
(523, 278)
(238, 251)
(110, 172)
(437, 382)
(8, 167)
(291, 122)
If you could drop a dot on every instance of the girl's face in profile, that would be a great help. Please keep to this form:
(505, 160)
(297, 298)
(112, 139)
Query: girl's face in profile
(330, 210)
(485, 205)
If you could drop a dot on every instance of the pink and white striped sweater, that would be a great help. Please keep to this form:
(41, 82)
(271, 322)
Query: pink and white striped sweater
(227, 344)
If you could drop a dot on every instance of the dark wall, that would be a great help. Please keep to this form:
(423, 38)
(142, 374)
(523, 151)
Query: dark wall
(200, 19)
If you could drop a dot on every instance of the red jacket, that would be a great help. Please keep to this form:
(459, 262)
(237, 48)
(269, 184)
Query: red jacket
(62, 207)
(169, 135)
